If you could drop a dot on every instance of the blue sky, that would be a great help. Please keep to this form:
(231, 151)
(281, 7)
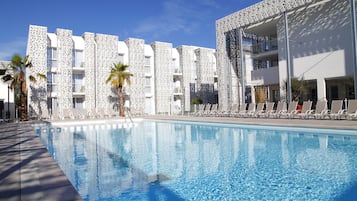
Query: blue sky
(181, 22)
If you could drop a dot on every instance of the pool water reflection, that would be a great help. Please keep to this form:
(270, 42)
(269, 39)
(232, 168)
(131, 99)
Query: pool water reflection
(163, 160)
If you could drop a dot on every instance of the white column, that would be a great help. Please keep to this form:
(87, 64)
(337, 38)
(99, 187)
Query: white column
(321, 89)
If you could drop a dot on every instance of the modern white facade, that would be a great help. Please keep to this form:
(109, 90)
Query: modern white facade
(319, 42)
(7, 103)
(77, 67)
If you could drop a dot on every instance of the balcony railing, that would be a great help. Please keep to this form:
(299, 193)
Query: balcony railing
(264, 64)
(51, 63)
(51, 88)
(147, 89)
(78, 88)
(177, 72)
(178, 91)
(265, 46)
(266, 76)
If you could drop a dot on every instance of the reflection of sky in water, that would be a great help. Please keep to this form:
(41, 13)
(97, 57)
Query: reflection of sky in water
(157, 160)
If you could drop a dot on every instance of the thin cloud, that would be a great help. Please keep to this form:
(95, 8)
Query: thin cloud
(210, 3)
(179, 16)
(8, 49)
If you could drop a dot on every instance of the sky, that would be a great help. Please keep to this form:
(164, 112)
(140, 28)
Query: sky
(180, 22)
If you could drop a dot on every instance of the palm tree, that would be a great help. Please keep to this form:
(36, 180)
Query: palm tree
(118, 77)
(17, 78)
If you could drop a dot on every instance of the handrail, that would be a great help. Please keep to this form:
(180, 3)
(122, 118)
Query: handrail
(129, 114)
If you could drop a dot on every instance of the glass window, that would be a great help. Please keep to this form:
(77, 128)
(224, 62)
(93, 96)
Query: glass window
(77, 58)
(54, 53)
(121, 58)
(51, 57)
(147, 89)
(78, 103)
(77, 83)
(147, 81)
(147, 69)
(147, 60)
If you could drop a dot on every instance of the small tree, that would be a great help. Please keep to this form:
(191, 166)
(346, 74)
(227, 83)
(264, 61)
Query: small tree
(118, 77)
(298, 88)
(196, 100)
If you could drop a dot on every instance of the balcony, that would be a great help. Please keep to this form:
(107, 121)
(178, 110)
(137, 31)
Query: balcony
(259, 64)
(78, 66)
(265, 48)
(52, 63)
(177, 72)
(177, 91)
(78, 89)
(265, 76)
(147, 70)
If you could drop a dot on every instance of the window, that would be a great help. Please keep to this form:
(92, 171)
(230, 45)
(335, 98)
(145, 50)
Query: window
(147, 60)
(52, 105)
(78, 103)
(147, 81)
(121, 58)
(147, 89)
(147, 69)
(51, 57)
(51, 82)
(77, 58)
(77, 83)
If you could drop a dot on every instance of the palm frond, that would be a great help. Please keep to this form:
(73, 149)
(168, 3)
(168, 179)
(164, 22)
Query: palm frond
(41, 76)
(32, 79)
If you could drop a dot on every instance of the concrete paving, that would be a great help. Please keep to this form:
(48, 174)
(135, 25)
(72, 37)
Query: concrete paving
(28, 172)
(305, 123)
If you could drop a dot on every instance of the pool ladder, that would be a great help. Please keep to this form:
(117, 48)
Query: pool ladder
(129, 115)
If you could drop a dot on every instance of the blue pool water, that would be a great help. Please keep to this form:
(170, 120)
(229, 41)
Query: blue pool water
(163, 160)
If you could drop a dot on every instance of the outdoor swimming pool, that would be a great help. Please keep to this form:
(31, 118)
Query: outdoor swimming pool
(172, 160)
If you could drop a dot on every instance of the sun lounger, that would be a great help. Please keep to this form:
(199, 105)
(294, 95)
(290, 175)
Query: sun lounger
(305, 111)
(213, 111)
(200, 108)
(280, 108)
(259, 110)
(351, 112)
(206, 111)
(269, 109)
(291, 110)
(250, 111)
(220, 110)
(320, 110)
(233, 110)
(336, 111)
(242, 110)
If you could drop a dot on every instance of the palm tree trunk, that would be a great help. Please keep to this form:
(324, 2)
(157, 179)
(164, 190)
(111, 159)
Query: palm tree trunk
(23, 96)
(23, 102)
(121, 102)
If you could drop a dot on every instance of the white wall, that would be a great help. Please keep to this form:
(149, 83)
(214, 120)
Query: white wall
(149, 98)
(320, 43)
(123, 49)
(4, 96)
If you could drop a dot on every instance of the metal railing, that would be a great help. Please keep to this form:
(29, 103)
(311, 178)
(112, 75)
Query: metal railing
(265, 46)
(127, 110)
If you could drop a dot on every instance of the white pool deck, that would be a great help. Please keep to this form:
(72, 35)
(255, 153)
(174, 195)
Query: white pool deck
(28, 172)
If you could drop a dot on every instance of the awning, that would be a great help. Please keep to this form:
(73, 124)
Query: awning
(78, 42)
(53, 39)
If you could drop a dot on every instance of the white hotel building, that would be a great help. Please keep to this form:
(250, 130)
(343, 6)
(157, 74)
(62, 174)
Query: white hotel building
(319, 48)
(165, 80)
